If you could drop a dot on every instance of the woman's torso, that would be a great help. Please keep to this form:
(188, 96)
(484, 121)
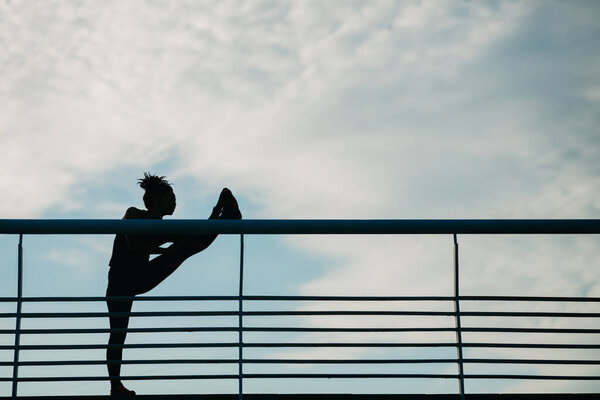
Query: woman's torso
(125, 253)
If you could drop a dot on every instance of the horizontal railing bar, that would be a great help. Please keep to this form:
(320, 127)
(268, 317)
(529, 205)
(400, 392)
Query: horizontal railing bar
(344, 312)
(136, 362)
(105, 378)
(245, 376)
(310, 361)
(431, 344)
(352, 361)
(529, 361)
(305, 298)
(544, 314)
(536, 377)
(120, 314)
(431, 313)
(353, 376)
(115, 346)
(347, 298)
(218, 313)
(117, 298)
(531, 330)
(192, 345)
(317, 344)
(218, 329)
(301, 226)
(529, 314)
(530, 298)
(297, 344)
(129, 330)
(235, 361)
(438, 376)
(295, 329)
(304, 376)
(422, 298)
(535, 345)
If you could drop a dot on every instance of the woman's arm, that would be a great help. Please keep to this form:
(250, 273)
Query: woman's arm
(149, 244)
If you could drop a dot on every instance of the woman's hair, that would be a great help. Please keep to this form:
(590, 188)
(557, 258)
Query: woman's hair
(153, 185)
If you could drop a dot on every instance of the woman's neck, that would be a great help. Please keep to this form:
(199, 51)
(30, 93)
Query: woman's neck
(154, 215)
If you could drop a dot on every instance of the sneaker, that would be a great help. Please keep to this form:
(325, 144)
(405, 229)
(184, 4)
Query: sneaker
(230, 206)
(223, 198)
(121, 392)
(231, 210)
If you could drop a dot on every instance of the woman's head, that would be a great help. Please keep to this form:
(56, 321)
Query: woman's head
(158, 196)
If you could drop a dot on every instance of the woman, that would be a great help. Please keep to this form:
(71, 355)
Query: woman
(131, 271)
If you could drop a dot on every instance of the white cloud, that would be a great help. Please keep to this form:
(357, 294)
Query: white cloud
(592, 93)
(344, 102)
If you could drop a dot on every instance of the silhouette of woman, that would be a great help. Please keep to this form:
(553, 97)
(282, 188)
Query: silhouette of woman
(131, 271)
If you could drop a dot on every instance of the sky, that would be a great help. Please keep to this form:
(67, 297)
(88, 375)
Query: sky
(307, 109)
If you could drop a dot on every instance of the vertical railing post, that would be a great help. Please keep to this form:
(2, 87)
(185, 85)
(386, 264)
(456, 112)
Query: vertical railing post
(459, 343)
(240, 321)
(15, 380)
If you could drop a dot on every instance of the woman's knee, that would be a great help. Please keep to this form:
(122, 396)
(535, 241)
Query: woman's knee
(117, 337)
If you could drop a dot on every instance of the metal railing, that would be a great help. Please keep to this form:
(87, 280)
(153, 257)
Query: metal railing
(242, 314)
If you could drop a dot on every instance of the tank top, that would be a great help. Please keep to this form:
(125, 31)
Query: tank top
(122, 255)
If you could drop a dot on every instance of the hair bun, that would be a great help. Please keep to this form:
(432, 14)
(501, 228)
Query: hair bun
(152, 182)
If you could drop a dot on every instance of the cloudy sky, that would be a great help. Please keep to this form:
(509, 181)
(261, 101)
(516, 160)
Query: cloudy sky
(307, 109)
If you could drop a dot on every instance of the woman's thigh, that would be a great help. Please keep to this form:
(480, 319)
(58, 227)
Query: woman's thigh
(141, 277)
(118, 286)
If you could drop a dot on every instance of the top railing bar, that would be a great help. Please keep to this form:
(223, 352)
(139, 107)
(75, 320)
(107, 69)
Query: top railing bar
(304, 226)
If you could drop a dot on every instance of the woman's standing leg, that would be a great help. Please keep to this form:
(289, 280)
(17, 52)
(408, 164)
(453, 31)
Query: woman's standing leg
(116, 340)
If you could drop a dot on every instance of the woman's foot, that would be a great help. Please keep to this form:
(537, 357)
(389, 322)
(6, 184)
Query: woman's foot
(231, 210)
(121, 391)
(224, 198)
(230, 205)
